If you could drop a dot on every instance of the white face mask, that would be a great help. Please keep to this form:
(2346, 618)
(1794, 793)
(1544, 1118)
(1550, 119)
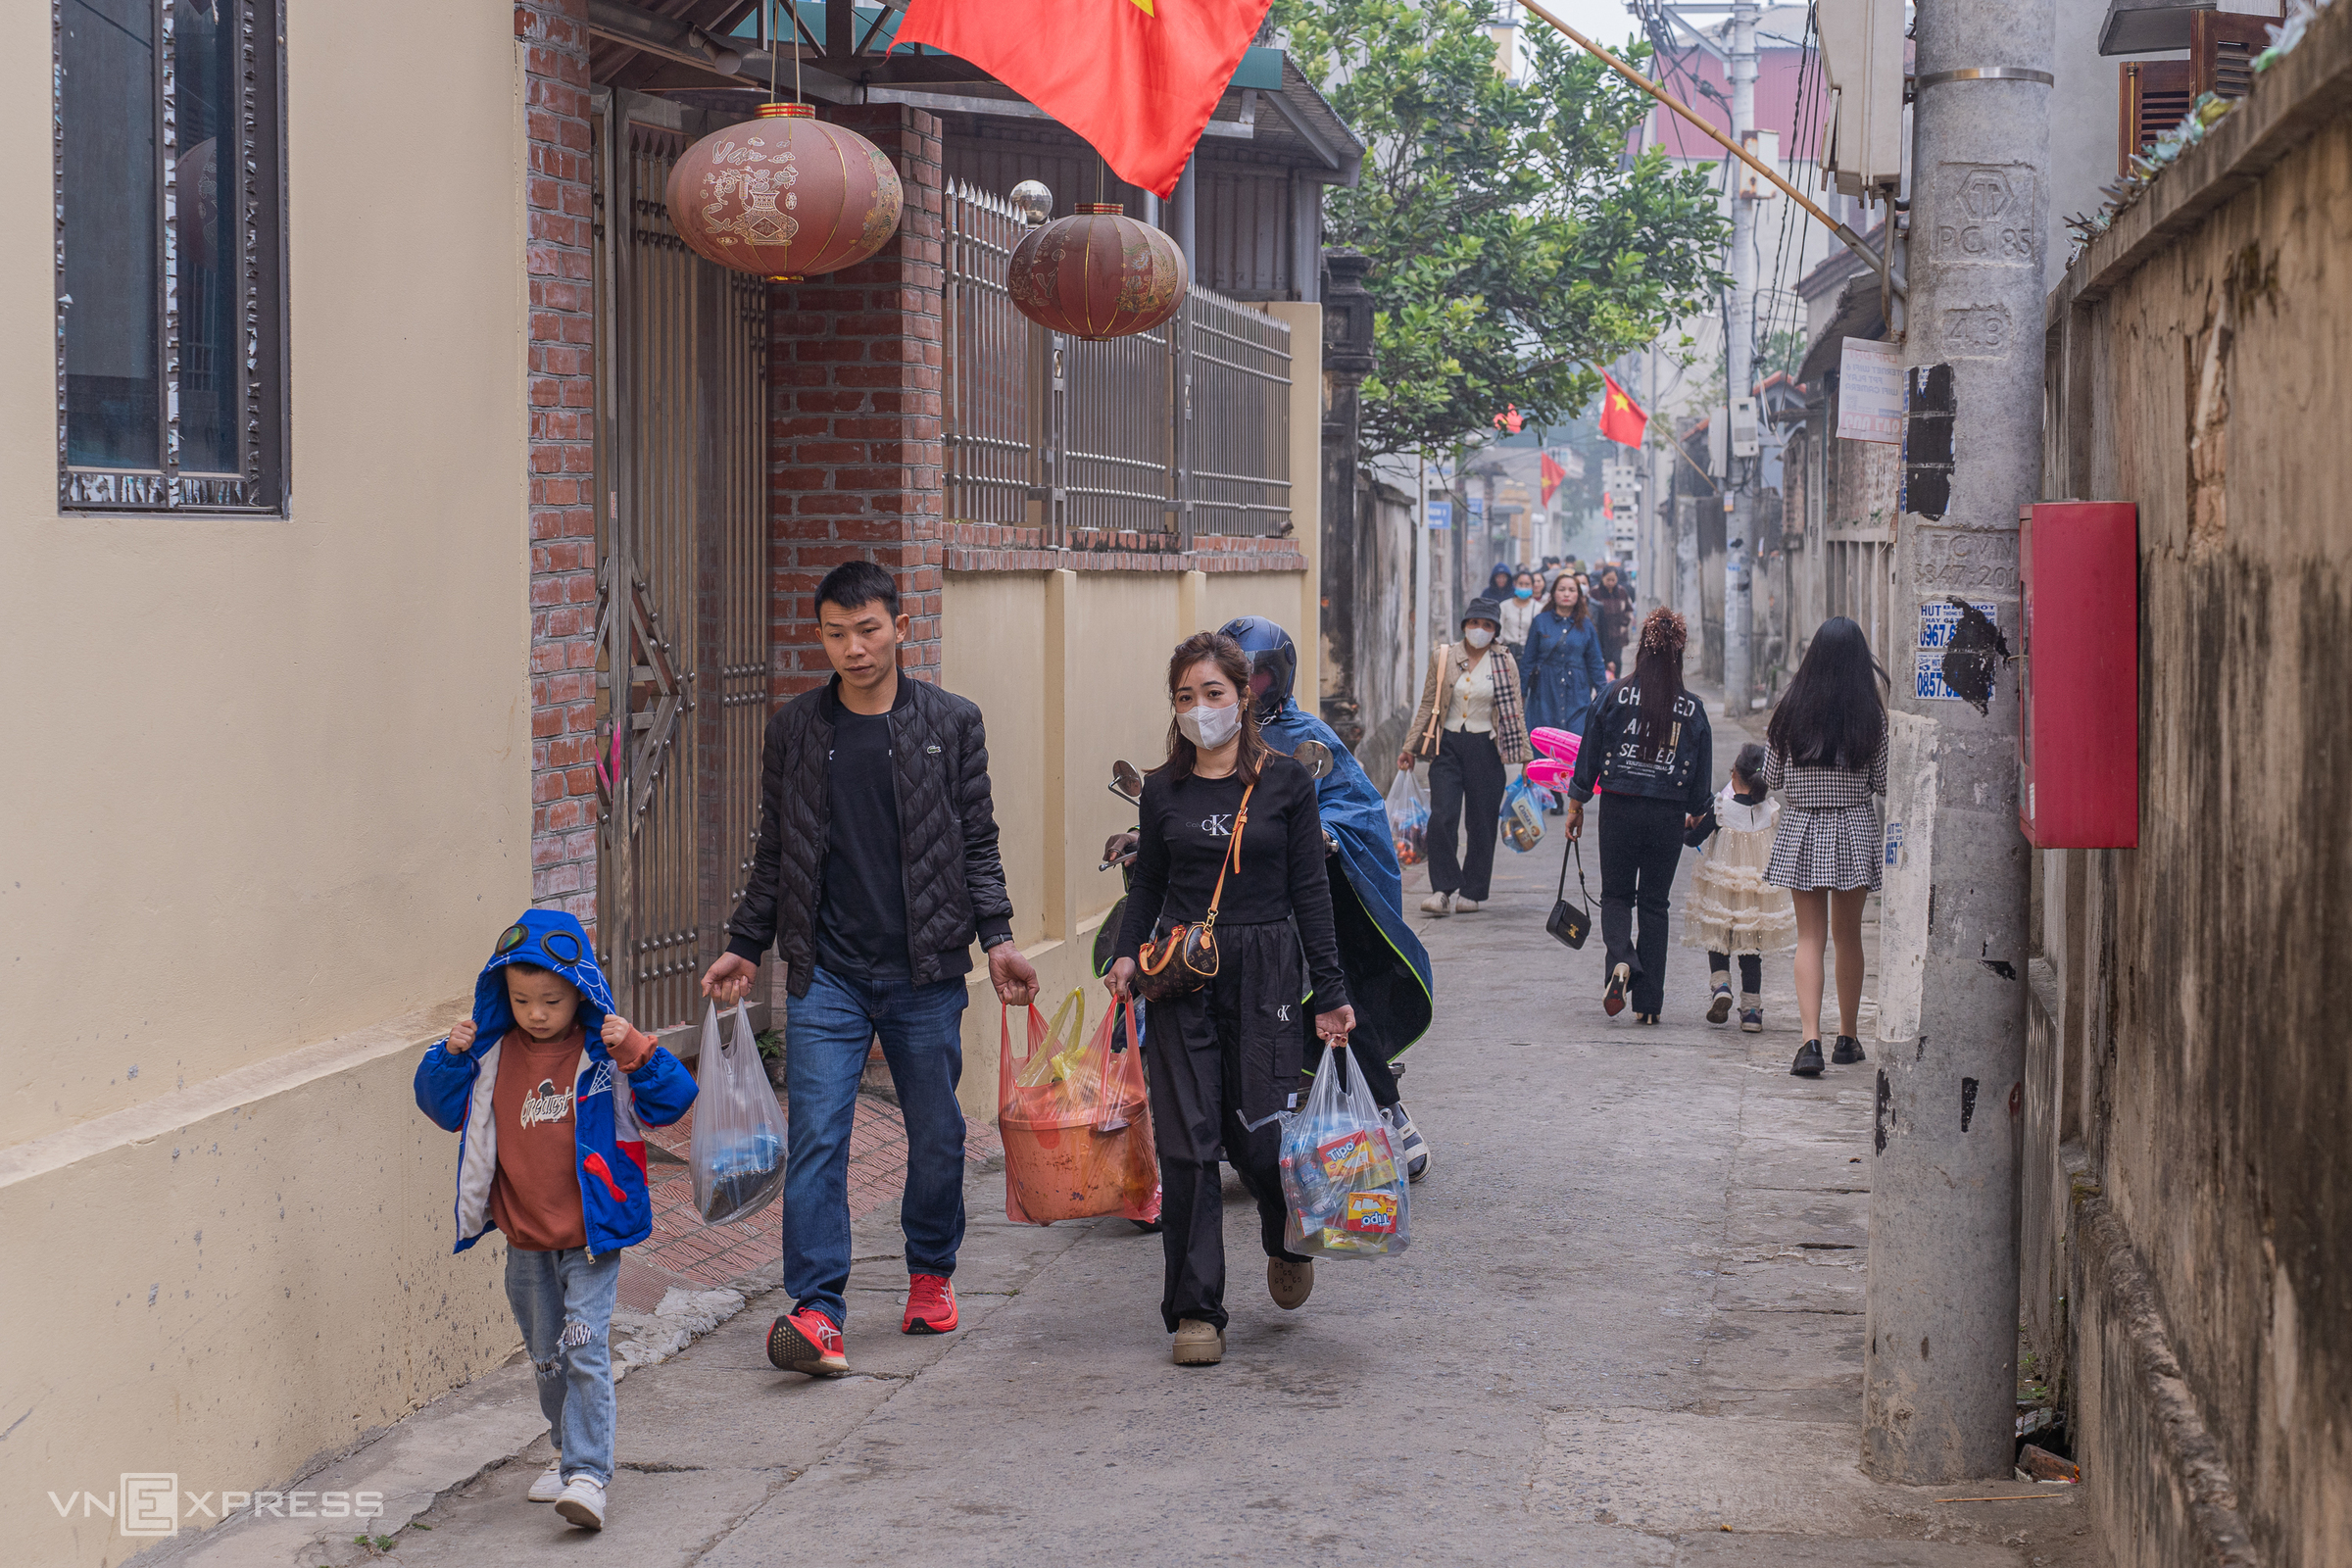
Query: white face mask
(1478, 636)
(1210, 727)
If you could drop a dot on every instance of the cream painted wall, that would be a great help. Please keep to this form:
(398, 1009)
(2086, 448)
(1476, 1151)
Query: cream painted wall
(273, 775)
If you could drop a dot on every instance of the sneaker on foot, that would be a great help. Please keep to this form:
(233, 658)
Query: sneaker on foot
(1462, 906)
(582, 1502)
(930, 1305)
(1437, 903)
(1410, 1143)
(549, 1485)
(1751, 1021)
(807, 1340)
(1719, 1007)
(1288, 1283)
(1808, 1061)
(1199, 1343)
(1612, 1001)
(1849, 1052)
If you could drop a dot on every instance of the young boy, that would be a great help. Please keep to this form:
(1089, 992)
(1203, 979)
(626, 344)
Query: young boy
(546, 1108)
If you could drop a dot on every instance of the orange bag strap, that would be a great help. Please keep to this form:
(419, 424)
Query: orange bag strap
(1232, 861)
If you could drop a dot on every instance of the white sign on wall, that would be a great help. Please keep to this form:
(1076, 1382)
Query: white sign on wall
(1870, 391)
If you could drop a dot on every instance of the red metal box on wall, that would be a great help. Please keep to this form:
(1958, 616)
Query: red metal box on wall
(2079, 696)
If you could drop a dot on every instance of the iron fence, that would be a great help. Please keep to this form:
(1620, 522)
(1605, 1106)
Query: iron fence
(1135, 442)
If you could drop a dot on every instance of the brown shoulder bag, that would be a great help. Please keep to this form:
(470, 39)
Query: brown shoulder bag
(1186, 959)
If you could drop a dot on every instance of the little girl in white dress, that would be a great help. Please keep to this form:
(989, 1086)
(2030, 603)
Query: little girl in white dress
(1732, 908)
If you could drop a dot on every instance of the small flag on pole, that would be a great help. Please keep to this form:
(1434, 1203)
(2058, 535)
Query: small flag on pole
(1554, 475)
(1608, 506)
(1621, 418)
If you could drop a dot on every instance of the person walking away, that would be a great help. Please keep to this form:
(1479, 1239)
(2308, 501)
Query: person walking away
(1613, 615)
(549, 1091)
(1385, 966)
(1469, 726)
(1232, 842)
(1561, 661)
(1827, 760)
(876, 868)
(1648, 749)
(1732, 910)
(1521, 608)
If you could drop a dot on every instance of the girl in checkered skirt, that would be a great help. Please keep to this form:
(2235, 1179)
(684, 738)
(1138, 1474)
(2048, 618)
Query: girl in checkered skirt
(1827, 760)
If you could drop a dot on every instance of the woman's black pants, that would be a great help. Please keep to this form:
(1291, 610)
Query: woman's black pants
(1640, 845)
(1465, 780)
(1220, 1059)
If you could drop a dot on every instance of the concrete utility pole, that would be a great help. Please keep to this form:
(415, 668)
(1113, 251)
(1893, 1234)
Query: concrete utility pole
(1940, 1373)
(1738, 497)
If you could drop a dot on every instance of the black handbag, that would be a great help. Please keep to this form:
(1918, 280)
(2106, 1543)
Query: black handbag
(1572, 922)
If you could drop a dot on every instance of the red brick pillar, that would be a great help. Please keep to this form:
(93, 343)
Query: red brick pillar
(853, 449)
(563, 402)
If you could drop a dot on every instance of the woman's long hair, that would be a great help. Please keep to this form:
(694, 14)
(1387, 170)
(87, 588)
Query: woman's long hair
(1658, 679)
(1216, 648)
(1832, 715)
(1583, 601)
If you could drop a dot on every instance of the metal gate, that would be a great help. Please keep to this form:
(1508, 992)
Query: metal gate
(682, 605)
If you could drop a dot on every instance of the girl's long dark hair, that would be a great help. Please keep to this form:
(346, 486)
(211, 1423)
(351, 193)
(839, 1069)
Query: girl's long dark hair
(1832, 715)
(1584, 600)
(1213, 647)
(1658, 679)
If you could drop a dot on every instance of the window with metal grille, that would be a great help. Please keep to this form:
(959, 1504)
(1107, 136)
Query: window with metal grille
(171, 303)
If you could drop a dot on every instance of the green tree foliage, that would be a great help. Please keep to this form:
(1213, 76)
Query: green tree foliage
(1513, 242)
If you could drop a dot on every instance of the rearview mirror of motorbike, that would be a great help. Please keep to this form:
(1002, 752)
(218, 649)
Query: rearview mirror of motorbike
(1315, 757)
(1126, 782)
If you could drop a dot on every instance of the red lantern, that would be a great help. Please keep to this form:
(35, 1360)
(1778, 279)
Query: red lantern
(1098, 274)
(784, 195)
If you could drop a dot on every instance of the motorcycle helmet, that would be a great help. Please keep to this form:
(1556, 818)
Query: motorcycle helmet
(1270, 648)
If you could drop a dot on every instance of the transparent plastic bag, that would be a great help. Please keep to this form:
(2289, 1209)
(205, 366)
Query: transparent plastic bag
(1343, 1172)
(1522, 815)
(1408, 818)
(1076, 1120)
(738, 1150)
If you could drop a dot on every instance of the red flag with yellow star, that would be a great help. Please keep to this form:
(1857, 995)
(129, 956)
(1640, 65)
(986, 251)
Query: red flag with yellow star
(1621, 418)
(1553, 476)
(1136, 79)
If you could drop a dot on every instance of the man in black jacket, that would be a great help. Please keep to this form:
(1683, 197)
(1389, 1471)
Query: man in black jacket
(876, 870)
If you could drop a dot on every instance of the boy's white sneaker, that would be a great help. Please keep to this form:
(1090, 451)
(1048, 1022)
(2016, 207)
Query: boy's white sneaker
(549, 1485)
(582, 1503)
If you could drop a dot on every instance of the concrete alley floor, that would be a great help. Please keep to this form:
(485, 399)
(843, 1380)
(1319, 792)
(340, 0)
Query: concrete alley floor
(1629, 1331)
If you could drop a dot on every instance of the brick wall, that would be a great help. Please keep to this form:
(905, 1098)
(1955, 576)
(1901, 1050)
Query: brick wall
(562, 401)
(854, 375)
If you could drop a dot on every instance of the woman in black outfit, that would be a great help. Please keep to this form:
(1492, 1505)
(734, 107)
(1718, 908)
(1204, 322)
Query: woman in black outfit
(1647, 748)
(1224, 1059)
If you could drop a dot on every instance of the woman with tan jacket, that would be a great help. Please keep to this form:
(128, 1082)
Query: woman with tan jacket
(1470, 730)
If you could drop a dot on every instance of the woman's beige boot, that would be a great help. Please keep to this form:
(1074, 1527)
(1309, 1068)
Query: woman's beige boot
(1199, 1343)
(1290, 1283)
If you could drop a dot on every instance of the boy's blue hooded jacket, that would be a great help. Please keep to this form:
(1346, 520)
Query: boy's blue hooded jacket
(610, 1108)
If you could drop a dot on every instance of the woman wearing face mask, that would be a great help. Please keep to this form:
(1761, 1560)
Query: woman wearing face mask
(1561, 661)
(1230, 834)
(1521, 609)
(1469, 727)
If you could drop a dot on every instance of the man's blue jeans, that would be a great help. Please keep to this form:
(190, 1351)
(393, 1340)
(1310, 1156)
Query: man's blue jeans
(562, 1302)
(826, 1036)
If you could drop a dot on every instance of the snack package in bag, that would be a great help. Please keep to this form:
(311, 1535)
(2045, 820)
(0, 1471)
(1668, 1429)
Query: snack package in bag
(1522, 815)
(1343, 1175)
(1075, 1119)
(1408, 818)
(738, 1149)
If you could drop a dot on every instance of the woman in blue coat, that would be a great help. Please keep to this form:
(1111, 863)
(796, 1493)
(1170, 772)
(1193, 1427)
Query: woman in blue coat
(1561, 663)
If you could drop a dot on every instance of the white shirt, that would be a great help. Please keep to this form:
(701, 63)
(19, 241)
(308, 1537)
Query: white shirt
(1517, 615)
(1470, 705)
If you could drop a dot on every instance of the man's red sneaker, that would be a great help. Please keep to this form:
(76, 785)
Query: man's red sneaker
(808, 1342)
(930, 1305)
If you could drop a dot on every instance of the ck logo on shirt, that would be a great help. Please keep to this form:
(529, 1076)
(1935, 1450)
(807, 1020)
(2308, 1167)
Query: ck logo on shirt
(545, 1104)
(1218, 827)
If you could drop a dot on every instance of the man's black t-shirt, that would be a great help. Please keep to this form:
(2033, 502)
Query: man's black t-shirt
(862, 913)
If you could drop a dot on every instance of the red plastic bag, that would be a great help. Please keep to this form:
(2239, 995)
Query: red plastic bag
(1076, 1123)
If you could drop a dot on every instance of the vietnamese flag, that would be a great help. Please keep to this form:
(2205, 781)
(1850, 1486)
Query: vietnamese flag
(1608, 506)
(1136, 79)
(1553, 475)
(1621, 418)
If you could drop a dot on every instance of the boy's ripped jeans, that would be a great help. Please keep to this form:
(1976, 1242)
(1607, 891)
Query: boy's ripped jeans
(564, 1304)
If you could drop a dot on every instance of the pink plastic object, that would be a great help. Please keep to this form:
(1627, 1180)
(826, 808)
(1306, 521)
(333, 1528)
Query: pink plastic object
(1556, 742)
(1549, 773)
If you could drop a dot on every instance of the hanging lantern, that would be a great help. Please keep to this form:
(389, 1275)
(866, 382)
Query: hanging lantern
(1098, 274)
(784, 195)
